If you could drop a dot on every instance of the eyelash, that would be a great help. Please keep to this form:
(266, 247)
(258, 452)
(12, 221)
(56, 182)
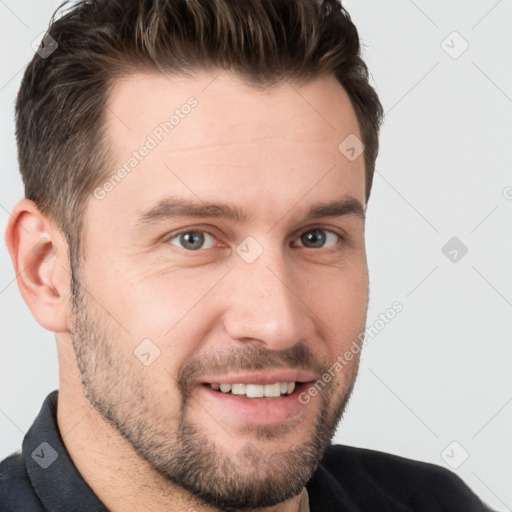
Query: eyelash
(176, 235)
(331, 248)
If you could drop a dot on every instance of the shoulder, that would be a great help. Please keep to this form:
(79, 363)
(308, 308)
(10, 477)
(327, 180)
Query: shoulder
(16, 492)
(371, 475)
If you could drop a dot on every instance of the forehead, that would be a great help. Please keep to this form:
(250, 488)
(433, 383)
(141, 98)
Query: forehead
(225, 98)
(219, 137)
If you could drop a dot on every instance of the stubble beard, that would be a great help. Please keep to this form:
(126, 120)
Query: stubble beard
(188, 458)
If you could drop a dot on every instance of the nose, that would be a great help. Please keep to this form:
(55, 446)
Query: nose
(263, 305)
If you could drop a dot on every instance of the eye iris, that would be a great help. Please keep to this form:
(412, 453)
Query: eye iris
(192, 240)
(314, 238)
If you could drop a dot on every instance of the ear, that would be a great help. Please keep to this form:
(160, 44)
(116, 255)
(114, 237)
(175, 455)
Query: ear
(39, 253)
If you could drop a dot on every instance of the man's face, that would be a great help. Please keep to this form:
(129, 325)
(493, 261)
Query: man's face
(230, 252)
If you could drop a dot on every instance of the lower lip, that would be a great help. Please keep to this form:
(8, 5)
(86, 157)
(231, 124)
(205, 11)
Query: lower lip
(257, 411)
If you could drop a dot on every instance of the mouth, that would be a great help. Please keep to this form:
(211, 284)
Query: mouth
(257, 398)
(252, 390)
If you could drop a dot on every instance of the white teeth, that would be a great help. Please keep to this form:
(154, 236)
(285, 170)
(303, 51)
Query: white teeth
(272, 390)
(254, 390)
(257, 390)
(238, 389)
(225, 388)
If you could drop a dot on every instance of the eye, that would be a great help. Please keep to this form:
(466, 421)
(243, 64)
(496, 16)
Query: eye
(318, 238)
(193, 240)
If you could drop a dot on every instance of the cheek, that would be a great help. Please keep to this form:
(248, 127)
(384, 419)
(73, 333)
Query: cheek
(167, 315)
(340, 300)
(153, 303)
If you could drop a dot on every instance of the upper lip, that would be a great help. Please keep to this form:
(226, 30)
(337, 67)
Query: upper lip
(269, 377)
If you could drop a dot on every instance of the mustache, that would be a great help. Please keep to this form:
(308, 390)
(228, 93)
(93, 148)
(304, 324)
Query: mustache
(248, 357)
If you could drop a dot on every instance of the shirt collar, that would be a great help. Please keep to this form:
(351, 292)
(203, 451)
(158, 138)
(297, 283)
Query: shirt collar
(54, 477)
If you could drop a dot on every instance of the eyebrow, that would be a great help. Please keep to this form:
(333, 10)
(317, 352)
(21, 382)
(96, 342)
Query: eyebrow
(170, 207)
(337, 208)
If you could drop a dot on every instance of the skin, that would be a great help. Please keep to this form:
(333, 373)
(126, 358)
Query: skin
(271, 153)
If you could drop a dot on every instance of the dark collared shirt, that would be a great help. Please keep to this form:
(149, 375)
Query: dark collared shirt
(43, 478)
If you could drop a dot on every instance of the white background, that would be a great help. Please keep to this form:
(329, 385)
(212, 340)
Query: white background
(440, 371)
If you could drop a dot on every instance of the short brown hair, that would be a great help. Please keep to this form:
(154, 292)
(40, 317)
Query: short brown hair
(61, 103)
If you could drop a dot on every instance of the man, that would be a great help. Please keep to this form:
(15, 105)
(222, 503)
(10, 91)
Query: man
(196, 175)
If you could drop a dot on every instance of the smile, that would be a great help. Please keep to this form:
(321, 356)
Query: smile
(274, 390)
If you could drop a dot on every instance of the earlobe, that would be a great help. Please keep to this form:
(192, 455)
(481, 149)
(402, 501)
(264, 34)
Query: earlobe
(39, 254)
